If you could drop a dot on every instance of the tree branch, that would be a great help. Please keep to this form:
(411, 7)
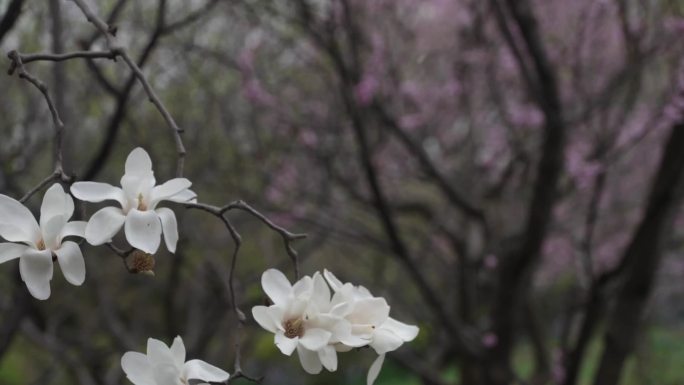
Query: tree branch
(10, 17)
(119, 51)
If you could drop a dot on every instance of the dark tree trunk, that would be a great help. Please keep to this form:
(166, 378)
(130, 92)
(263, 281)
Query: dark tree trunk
(641, 261)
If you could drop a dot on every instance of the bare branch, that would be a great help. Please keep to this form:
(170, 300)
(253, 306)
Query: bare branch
(287, 236)
(18, 65)
(28, 58)
(119, 51)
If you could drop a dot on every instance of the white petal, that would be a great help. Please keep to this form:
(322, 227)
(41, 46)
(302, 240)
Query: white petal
(370, 311)
(135, 187)
(71, 262)
(68, 206)
(309, 360)
(178, 351)
(200, 370)
(55, 203)
(335, 283)
(342, 332)
(169, 227)
(404, 331)
(375, 369)
(263, 317)
(315, 338)
(328, 357)
(103, 225)
(385, 341)
(166, 374)
(168, 189)
(138, 163)
(341, 305)
(286, 345)
(354, 341)
(143, 230)
(276, 286)
(51, 231)
(184, 197)
(303, 288)
(98, 192)
(137, 368)
(341, 308)
(17, 224)
(158, 353)
(10, 251)
(321, 293)
(295, 308)
(36, 269)
(362, 292)
(75, 229)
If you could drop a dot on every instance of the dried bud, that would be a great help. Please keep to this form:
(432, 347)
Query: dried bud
(140, 262)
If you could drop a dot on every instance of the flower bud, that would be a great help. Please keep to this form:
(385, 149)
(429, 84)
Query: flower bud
(140, 262)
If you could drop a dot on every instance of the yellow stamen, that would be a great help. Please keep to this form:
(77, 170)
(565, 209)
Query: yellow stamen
(141, 204)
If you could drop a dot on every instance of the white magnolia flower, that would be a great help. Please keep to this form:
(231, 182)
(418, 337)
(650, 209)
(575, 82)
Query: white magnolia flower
(138, 197)
(166, 366)
(370, 319)
(305, 317)
(38, 245)
(296, 319)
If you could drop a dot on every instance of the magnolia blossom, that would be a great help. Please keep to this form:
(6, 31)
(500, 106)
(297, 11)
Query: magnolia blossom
(37, 245)
(296, 320)
(370, 319)
(166, 366)
(138, 197)
(305, 317)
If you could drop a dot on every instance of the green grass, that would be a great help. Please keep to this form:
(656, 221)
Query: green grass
(10, 369)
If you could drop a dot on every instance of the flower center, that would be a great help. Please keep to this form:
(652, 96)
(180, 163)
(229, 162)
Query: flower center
(141, 203)
(40, 245)
(294, 328)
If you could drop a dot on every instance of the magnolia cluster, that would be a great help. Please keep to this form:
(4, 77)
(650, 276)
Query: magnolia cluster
(318, 324)
(38, 244)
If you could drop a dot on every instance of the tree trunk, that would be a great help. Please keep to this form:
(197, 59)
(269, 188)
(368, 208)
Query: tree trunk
(642, 259)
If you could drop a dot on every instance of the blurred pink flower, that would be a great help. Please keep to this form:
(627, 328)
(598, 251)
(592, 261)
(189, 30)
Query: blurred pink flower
(490, 340)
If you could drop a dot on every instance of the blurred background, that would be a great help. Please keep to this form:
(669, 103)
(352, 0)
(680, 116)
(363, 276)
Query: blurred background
(506, 173)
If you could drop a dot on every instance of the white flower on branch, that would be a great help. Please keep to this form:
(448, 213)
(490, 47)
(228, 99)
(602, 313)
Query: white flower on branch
(370, 319)
(163, 365)
(297, 319)
(305, 317)
(37, 245)
(138, 197)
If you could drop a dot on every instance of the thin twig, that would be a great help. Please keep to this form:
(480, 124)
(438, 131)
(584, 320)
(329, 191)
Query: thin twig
(31, 57)
(123, 254)
(17, 65)
(118, 50)
(287, 236)
(52, 177)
